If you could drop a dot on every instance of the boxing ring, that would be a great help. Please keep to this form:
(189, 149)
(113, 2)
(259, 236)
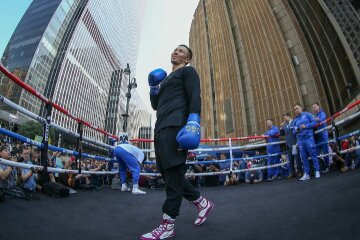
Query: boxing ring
(243, 211)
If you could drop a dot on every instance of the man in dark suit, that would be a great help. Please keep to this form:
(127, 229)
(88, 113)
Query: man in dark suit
(286, 130)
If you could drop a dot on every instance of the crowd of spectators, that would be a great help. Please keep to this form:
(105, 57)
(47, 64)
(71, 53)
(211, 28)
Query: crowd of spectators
(23, 182)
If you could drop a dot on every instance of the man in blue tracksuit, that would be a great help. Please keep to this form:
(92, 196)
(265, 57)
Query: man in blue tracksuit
(273, 134)
(303, 128)
(322, 137)
(129, 157)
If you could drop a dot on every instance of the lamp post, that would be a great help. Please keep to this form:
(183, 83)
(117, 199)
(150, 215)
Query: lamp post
(131, 84)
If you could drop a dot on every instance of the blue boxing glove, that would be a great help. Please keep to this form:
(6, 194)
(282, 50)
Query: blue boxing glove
(155, 78)
(189, 136)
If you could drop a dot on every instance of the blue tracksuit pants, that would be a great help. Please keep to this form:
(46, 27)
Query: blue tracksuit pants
(323, 149)
(307, 149)
(127, 161)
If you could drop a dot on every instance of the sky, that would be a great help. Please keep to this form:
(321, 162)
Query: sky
(166, 25)
(11, 12)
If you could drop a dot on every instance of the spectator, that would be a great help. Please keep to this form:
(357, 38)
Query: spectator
(303, 128)
(357, 151)
(345, 145)
(28, 176)
(321, 139)
(286, 130)
(152, 182)
(57, 162)
(224, 166)
(8, 174)
(338, 161)
(284, 169)
(36, 156)
(272, 135)
(96, 179)
(253, 176)
(211, 180)
(193, 168)
(354, 154)
(243, 165)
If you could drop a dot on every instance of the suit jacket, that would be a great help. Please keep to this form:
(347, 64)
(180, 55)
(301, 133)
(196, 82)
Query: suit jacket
(290, 138)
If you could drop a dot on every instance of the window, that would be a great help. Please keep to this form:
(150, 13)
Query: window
(228, 116)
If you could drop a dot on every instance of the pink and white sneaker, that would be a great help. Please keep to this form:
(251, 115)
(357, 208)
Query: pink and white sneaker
(164, 231)
(204, 206)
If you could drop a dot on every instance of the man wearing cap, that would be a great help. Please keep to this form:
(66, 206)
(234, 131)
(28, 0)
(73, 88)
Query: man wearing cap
(7, 173)
(129, 157)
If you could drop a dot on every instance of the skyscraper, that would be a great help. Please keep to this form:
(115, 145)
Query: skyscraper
(257, 58)
(71, 51)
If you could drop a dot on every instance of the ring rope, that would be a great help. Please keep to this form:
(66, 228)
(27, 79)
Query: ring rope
(53, 148)
(42, 120)
(51, 169)
(31, 90)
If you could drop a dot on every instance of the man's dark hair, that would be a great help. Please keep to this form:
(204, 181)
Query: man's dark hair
(22, 148)
(189, 50)
(298, 104)
(287, 114)
(270, 119)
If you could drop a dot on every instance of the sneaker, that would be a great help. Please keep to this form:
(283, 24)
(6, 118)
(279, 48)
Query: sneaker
(326, 170)
(317, 174)
(115, 184)
(290, 176)
(344, 169)
(125, 189)
(352, 165)
(137, 191)
(305, 177)
(164, 231)
(204, 207)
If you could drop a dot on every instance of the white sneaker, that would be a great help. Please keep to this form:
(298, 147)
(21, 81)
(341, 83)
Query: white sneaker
(204, 207)
(352, 164)
(305, 177)
(137, 191)
(125, 189)
(317, 174)
(115, 184)
(326, 170)
(164, 231)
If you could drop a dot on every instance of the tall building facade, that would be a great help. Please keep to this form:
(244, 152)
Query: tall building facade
(256, 59)
(70, 52)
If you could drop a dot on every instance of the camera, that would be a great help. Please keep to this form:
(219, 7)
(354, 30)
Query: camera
(19, 159)
(103, 167)
(73, 165)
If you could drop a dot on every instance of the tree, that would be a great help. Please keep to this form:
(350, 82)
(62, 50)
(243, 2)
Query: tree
(31, 128)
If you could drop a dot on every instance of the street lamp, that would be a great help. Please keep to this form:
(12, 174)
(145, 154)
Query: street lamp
(131, 84)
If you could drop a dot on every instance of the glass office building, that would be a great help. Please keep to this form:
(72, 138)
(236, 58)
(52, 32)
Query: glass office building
(69, 50)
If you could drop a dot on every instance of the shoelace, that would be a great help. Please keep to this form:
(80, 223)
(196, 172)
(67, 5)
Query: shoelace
(158, 231)
(199, 207)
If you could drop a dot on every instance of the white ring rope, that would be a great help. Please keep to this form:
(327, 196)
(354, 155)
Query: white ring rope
(51, 169)
(42, 120)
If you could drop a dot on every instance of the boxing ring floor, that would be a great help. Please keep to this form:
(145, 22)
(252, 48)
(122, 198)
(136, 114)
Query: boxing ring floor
(328, 208)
